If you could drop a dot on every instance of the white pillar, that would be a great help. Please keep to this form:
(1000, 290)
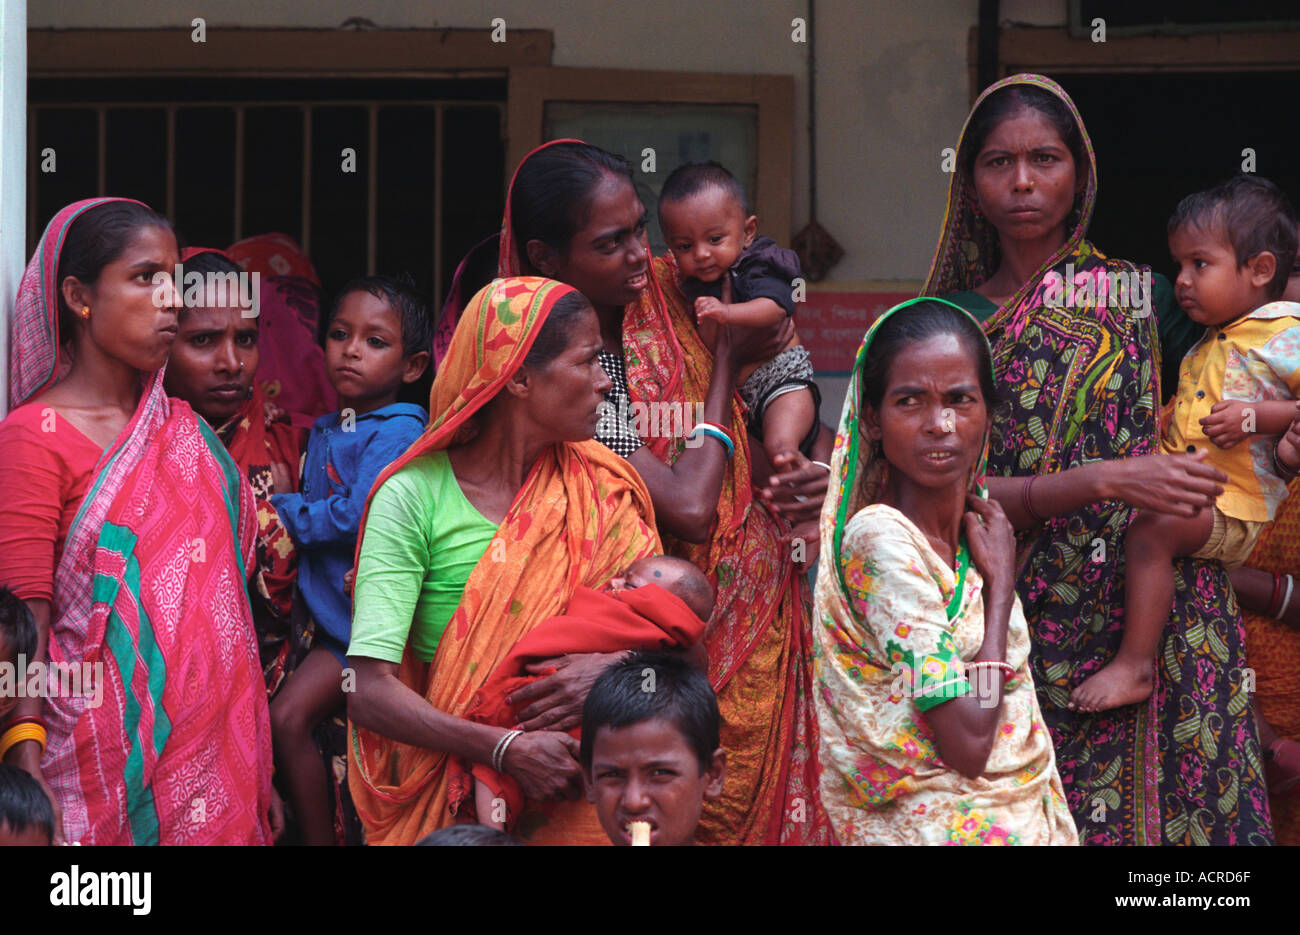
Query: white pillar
(13, 170)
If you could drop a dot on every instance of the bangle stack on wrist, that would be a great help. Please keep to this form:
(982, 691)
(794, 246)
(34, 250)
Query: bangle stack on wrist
(1027, 503)
(22, 728)
(716, 432)
(1283, 471)
(499, 751)
(1281, 598)
(1008, 673)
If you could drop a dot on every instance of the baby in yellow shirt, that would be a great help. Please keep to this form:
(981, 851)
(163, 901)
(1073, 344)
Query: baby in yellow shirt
(1237, 388)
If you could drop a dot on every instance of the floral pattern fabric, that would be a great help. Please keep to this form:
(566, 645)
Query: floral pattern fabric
(894, 627)
(893, 658)
(1079, 383)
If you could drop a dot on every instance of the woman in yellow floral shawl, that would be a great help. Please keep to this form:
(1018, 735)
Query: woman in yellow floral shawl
(912, 613)
(567, 513)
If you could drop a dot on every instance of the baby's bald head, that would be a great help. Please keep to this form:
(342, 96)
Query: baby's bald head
(676, 576)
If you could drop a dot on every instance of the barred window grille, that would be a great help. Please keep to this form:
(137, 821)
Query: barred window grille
(425, 186)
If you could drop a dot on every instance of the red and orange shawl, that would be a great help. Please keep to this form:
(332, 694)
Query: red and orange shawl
(174, 744)
(581, 515)
(256, 443)
(760, 642)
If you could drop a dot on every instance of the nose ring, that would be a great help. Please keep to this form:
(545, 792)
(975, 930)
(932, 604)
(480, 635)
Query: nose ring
(948, 421)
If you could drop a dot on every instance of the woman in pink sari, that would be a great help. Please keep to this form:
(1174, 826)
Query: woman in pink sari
(128, 530)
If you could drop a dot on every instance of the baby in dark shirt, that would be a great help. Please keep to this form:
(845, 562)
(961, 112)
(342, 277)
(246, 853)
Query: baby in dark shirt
(708, 227)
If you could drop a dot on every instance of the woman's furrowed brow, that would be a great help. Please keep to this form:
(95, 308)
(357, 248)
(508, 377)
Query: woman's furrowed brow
(620, 232)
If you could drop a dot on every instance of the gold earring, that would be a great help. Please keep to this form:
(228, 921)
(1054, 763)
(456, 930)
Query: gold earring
(85, 311)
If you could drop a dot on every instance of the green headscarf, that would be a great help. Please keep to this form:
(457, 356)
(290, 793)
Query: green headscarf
(857, 470)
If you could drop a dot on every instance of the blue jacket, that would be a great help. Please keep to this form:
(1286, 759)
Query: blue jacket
(325, 516)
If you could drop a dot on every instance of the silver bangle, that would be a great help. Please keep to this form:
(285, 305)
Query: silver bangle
(825, 465)
(499, 751)
(1286, 601)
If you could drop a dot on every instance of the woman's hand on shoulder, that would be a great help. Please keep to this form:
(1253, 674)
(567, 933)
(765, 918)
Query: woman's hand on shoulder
(992, 543)
(1178, 484)
(273, 413)
(545, 764)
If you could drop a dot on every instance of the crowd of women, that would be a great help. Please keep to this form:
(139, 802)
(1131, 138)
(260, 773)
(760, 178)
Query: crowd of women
(115, 463)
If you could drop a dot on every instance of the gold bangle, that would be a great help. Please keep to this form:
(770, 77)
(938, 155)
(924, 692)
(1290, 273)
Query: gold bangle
(16, 735)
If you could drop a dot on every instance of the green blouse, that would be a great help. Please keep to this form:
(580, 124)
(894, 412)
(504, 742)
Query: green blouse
(423, 538)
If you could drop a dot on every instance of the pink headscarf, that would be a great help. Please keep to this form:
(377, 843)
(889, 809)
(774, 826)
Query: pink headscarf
(34, 329)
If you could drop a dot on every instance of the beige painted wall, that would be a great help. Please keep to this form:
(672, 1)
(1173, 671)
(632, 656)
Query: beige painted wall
(892, 82)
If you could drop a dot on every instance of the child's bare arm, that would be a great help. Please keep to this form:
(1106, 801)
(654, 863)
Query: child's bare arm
(756, 313)
(1233, 420)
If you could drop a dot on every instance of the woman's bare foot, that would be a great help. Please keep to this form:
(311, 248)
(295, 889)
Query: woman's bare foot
(1120, 683)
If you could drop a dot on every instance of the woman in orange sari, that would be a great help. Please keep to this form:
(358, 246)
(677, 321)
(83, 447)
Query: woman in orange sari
(572, 214)
(519, 507)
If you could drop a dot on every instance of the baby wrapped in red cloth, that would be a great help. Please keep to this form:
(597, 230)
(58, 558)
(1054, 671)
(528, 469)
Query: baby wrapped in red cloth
(658, 602)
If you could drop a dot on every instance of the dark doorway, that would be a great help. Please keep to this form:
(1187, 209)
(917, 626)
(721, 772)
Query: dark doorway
(1160, 137)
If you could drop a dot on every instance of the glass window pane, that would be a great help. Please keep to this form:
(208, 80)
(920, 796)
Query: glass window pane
(473, 183)
(405, 194)
(677, 133)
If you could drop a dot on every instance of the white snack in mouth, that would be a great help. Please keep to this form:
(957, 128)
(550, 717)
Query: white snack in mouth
(640, 833)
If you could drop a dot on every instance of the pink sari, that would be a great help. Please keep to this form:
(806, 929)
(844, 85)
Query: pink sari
(169, 741)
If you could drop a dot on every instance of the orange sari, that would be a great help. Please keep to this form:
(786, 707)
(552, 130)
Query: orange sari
(760, 639)
(1273, 652)
(581, 515)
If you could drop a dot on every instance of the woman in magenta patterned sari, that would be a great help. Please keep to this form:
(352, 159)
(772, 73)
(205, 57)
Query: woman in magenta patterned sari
(1073, 453)
(128, 530)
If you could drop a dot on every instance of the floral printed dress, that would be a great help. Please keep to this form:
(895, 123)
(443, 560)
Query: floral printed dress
(896, 651)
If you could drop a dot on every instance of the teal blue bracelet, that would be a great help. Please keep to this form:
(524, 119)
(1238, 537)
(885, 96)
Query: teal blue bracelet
(713, 431)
